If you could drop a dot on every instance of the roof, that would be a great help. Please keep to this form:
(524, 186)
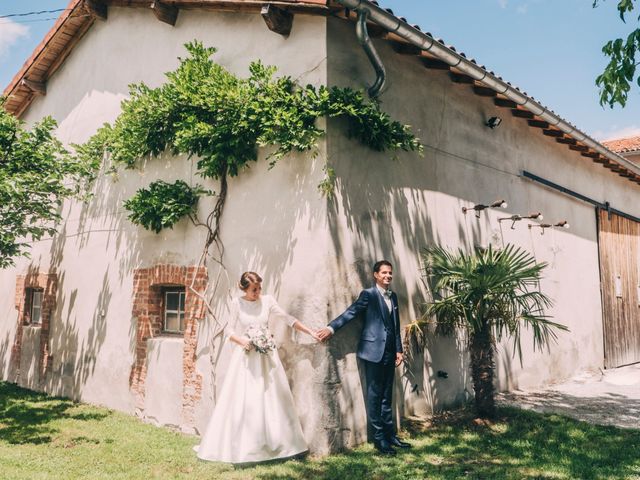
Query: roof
(623, 145)
(80, 15)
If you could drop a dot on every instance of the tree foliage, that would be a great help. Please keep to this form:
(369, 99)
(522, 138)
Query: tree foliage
(163, 204)
(36, 175)
(205, 111)
(617, 78)
(490, 294)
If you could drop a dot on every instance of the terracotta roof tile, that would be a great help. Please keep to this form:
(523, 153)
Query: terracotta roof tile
(622, 145)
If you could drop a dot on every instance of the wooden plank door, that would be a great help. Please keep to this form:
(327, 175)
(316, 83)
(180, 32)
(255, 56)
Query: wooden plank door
(618, 243)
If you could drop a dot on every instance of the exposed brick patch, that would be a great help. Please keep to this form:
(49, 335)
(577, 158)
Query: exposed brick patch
(147, 309)
(48, 283)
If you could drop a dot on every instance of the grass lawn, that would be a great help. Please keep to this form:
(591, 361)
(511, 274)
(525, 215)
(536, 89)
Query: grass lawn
(43, 437)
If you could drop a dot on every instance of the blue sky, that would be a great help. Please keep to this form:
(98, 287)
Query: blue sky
(549, 48)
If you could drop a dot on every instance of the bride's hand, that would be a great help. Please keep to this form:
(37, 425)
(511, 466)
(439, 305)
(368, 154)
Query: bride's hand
(247, 345)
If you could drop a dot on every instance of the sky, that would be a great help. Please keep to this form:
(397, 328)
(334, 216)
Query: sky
(550, 49)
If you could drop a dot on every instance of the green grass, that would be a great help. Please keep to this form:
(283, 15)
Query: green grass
(49, 438)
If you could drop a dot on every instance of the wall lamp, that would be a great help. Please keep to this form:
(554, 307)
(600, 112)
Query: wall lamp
(543, 226)
(517, 218)
(478, 208)
(493, 122)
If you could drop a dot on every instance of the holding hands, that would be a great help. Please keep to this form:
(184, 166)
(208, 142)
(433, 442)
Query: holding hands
(324, 334)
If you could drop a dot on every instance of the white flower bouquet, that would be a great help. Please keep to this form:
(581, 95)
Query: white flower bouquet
(261, 339)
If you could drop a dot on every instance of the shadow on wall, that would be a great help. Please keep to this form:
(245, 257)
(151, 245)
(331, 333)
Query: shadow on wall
(263, 210)
(76, 344)
(82, 252)
(384, 209)
(5, 352)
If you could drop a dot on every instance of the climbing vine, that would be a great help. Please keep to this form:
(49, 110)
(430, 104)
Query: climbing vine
(206, 112)
(163, 204)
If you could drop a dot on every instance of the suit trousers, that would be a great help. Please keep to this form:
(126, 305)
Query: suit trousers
(379, 378)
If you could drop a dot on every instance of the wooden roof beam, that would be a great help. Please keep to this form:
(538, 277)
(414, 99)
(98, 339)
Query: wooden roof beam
(483, 91)
(38, 88)
(165, 13)
(404, 48)
(538, 123)
(278, 20)
(434, 63)
(97, 8)
(461, 78)
(567, 140)
(516, 112)
(579, 148)
(505, 103)
(551, 132)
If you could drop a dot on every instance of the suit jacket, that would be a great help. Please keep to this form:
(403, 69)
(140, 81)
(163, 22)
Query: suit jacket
(377, 322)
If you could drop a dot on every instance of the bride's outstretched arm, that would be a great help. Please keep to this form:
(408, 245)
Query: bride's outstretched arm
(301, 327)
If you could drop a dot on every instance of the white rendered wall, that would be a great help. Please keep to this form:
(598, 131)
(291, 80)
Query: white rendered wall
(314, 255)
(394, 208)
(274, 221)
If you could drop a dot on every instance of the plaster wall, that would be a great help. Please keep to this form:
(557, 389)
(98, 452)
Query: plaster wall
(8, 324)
(392, 209)
(163, 397)
(274, 221)
(314, 255)
(30, 357)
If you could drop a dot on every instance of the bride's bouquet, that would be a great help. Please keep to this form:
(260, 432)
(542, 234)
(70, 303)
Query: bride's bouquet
(261, 339)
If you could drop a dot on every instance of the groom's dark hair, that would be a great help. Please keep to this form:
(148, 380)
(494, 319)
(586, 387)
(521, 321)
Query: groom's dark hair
(378, 265)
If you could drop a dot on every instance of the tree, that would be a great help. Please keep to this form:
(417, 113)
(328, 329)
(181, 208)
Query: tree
(615, 81)
(36, 175)
(489, 294)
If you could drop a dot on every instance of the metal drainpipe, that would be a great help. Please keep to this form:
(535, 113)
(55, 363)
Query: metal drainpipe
(369, 49)
(414, 36)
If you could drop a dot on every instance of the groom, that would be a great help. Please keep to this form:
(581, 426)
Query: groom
(380, 348)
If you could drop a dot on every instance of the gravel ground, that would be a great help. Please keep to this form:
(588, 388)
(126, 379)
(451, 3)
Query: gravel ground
(610, 397)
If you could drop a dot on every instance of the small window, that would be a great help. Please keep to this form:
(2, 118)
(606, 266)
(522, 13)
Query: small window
(173, 310)
(34, 306)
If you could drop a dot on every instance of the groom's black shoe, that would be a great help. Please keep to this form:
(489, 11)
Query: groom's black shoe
(384, 447)
(396, 442)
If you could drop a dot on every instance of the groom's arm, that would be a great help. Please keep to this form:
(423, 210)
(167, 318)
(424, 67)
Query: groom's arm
(357, 307)
(397, 329)
(399, 354)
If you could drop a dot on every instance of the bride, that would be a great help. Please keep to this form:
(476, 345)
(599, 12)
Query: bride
(254, 419)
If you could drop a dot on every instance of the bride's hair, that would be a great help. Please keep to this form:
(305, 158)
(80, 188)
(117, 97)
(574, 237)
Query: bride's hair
(247, 279)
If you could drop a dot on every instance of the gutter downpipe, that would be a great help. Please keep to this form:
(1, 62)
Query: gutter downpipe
(393, 24)
(369, 49)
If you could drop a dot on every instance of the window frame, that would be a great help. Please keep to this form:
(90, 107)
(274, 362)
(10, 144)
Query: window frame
(181, 291)
(30, 305)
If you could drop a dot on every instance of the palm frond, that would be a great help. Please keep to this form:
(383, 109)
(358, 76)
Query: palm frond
(494, 287)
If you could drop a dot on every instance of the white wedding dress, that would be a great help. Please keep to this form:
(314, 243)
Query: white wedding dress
(255, 418)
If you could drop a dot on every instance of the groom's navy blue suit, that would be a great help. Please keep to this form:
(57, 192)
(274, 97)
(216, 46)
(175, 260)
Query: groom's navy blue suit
(379, 343)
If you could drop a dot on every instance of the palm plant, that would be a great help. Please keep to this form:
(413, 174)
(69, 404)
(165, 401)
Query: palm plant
(490, 294)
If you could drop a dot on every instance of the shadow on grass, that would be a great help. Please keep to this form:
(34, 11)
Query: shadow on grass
(26, 416)
(518, 445)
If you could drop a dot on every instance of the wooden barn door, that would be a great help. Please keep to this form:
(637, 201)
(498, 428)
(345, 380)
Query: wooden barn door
(618, 242)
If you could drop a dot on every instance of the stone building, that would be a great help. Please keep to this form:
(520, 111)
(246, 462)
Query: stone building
(87, 316)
